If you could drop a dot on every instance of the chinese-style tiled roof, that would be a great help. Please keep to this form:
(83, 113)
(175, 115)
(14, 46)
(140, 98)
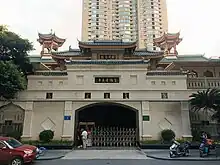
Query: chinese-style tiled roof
(108, 62)
(174, 37)
(144, 52)
(38, 59)
(68, 53)
(107, 43)
(186, 58)
(139, 52)
(50, 37)
(164, 73)
(59, 73)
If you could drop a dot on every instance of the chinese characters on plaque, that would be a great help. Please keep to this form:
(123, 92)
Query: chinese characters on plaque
(106, 79)
(107, 57)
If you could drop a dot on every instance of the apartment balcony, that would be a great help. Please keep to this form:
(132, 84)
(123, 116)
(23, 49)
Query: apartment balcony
(203, 82)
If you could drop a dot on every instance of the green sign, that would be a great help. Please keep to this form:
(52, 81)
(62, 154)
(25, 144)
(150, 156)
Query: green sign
(146, 118)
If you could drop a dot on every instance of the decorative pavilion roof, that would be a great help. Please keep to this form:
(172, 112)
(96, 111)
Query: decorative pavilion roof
(168, 40)
(50, 37)
(168, 36)
(107, 44)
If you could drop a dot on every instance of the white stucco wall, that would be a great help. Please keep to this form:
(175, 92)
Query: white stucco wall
(68, 96)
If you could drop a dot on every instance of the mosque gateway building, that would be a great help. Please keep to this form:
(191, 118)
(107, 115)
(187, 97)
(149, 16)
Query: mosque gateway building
(110, 87)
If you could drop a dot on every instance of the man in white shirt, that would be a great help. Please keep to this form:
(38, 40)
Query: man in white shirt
(84, 137)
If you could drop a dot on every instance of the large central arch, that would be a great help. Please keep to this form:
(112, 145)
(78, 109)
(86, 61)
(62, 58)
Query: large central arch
(110, 117)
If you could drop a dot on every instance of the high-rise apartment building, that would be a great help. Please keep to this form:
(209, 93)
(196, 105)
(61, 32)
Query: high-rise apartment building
(127, 20)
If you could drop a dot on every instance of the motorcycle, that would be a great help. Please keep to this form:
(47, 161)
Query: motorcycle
(177, 149)
(205, 146)
(40, 152)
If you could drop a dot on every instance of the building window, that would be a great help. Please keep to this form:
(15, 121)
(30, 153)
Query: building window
(125, 95)
(49, 95)
(164, 95)
(173, 82)
(163, 82)
(87, 95)
(153, 82)
(106, 95)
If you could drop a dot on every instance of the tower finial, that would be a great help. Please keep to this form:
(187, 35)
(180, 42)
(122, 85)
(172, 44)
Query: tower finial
(51, 31)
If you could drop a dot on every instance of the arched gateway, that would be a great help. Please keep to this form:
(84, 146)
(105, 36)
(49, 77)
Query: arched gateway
(110, 124)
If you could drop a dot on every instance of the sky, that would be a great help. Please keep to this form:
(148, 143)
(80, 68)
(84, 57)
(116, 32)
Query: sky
(197, 20)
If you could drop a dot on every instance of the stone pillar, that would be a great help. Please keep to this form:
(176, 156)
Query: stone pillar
(140, 124)
(28, 117)
(68, 123)
(145, 122)
(186, 126)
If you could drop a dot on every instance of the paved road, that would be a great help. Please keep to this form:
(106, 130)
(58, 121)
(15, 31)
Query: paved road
(122, 162)
(106, 154)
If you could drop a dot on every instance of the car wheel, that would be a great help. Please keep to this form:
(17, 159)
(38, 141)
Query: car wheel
(17, 161)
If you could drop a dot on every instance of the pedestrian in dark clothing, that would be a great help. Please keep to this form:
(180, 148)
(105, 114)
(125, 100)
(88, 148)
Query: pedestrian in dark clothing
(79, 139)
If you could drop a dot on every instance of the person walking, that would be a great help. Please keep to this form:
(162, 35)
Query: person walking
(79, 139)
(84, 138)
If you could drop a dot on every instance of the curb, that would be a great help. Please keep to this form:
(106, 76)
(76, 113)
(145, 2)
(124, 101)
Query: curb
(181, 159)
(50, 158)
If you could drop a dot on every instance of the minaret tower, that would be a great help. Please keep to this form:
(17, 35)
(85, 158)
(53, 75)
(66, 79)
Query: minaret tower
(49, 42)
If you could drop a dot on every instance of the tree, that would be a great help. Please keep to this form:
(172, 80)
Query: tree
(12, 80)
(16, 49)
(208, 100)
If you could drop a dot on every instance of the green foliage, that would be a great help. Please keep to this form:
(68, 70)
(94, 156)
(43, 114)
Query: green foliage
(207, 100)
(46, 136)
(14, 134)
(11, 80)
(196, 134)
(167, 135)
(216, 115)
(16, 48)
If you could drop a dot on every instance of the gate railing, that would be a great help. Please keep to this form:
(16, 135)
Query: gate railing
(5, 129)
(113, 137)
(213, 129)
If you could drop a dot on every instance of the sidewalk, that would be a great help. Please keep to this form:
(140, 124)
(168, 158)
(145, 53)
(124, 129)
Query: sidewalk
(194, 156)
(53, 154)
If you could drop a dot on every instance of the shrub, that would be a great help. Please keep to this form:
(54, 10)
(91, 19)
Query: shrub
(167, 135)
(14, 134)
(46, 136)
(196, 134)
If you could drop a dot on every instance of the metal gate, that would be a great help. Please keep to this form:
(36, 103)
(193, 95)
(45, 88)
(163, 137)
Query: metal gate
(11, 120)
(113, 137)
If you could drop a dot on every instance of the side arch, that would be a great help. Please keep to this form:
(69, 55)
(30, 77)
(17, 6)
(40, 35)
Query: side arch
(11, 119)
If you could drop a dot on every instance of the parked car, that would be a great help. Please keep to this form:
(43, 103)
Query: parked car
(13, 152)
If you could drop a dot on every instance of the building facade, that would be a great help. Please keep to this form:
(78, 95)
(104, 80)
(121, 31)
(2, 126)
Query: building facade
(129, 20)
(154, 84)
